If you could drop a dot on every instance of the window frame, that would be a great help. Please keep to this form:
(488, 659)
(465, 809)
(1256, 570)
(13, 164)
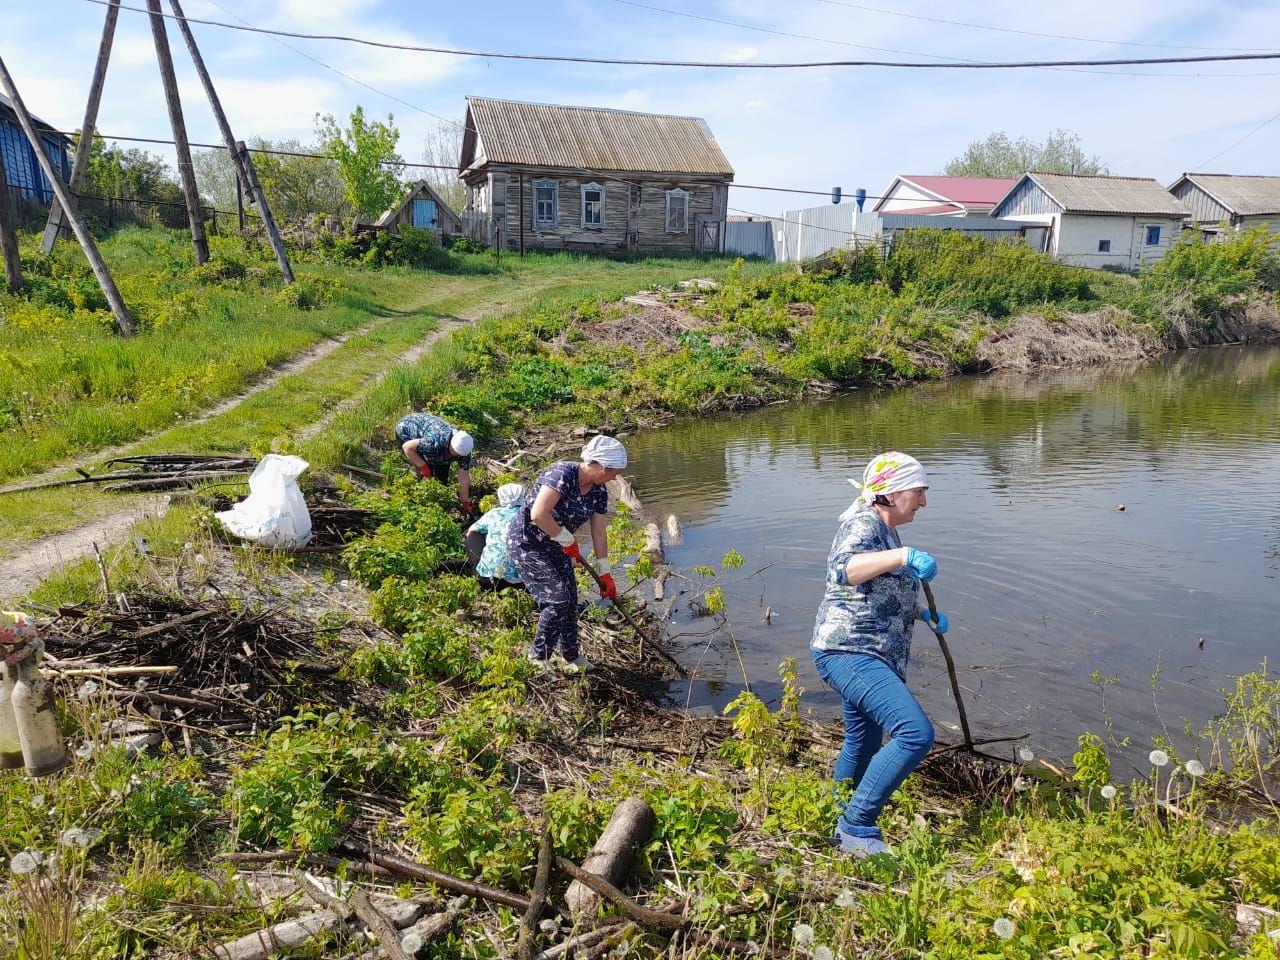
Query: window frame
(582, 196)
(1104, 246)
(1150, 228)
(541, 223)
(677, 193)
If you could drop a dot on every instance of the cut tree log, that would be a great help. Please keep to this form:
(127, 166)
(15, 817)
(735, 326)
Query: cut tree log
(265, 943)
(629, 828)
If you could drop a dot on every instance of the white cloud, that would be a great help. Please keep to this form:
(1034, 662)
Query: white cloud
(756, 104)
(740, 55)
(289, 111)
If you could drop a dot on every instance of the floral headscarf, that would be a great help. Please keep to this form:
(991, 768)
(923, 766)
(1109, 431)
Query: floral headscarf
(887, 473)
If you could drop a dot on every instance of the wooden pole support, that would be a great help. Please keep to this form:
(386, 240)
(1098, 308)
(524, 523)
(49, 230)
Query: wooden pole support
(57, 225)
(181, 146)
(240, 157)
(9, 233)
(123, 319)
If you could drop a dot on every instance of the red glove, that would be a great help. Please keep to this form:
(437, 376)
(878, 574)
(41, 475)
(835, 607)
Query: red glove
(608, 589)
(574, 553)
(466, 505)
(425, 470)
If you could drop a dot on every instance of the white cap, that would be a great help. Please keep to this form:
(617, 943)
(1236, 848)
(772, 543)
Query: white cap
(461, 443)
(509, 494)
(605, 451)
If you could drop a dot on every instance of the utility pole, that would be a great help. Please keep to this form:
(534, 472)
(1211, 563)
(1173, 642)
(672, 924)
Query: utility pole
(56, 226)
(180, 144)
(9, 233)
(123, 319)
(245, 172)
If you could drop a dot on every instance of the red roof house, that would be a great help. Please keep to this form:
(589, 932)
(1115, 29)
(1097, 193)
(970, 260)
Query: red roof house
(943, 196)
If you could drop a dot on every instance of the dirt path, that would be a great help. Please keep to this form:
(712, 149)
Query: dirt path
(21, 574)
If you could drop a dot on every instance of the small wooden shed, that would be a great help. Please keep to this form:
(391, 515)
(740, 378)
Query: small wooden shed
(421, 206)
(1237, 203)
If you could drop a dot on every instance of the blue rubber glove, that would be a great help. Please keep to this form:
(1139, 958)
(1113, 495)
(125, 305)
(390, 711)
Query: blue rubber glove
(920, 565)
(937, 626)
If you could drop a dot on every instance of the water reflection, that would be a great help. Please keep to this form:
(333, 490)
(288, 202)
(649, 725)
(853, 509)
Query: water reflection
(1046, 581)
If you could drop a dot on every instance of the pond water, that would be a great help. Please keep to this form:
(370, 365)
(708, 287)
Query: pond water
(1067, 613)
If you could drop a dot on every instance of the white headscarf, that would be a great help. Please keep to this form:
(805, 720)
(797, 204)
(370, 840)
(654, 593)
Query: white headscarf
(890, 472)
(605, 451)
(461, 443)
(509, 494)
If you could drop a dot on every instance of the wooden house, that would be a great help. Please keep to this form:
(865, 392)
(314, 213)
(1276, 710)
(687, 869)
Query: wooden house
(541, 176)
(1121, 223)
(943, 196)
(421, 206)
(24, 175)
(1220, 203)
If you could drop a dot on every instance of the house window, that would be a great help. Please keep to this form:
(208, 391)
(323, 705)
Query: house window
(546, 203)
(1104, 246)
(592, 205)
(1153, 236)
(677, 211)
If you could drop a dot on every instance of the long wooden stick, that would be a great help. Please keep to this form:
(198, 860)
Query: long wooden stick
(951, 668)
(626, 616)
(648, 918)
(84, 147)
(416, 871)
(99, 266)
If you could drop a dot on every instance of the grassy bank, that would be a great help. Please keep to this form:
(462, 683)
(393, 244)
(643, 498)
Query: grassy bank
(436, 738)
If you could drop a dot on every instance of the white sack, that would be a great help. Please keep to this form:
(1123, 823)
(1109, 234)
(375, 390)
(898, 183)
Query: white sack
(275, 513)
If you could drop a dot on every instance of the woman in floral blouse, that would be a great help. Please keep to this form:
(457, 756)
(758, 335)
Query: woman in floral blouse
(862, 639)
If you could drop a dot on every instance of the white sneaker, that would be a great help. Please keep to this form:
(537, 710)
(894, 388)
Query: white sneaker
(543, 664)
(580, 665)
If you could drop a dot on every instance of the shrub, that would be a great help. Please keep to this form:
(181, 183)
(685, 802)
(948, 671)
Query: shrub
(1215, 272)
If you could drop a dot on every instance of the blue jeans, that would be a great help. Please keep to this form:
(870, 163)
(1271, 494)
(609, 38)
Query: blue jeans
(876, 700)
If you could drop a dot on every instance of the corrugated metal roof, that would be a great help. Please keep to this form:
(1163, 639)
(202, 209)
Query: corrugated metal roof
(1125, 195)
(970, 191)
(592, 138)
(1246, 196)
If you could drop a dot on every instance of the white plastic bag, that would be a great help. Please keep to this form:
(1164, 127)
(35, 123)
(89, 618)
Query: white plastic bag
(275, 513)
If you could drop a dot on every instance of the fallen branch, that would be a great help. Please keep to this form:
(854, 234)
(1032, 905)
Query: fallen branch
(538, 896)
(282, 936)
(379, 927)
(416, 871)
(647, 918)
(318, 860)
(585, 940)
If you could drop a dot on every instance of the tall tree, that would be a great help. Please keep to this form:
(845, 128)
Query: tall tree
(999, 156)
(296, 186)
(365, 151)
(442, 147)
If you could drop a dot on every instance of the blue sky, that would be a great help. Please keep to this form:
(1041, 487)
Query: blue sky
(811, 129)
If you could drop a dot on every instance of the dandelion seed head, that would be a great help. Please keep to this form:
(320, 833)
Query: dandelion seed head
(1195, 768)
(38, 802)
(78, 837)
(1108, 792)
(26, 861)
(1003, 928)
(411, 943)
(1158, 758)
(1026, 754)
(188, 547)
(84, 751)
(823, 952)
(199, 558)
(1021, 783)
(752, 947)
(803, 934)
(846, 899)
(87, 690)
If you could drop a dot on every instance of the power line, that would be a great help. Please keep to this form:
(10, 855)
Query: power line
(716, 65)
(1026, 33)
(1203, 164)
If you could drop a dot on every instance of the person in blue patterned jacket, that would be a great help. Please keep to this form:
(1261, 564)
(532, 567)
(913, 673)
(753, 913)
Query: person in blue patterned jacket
(433, 446)
(862, 640)
(495, 568)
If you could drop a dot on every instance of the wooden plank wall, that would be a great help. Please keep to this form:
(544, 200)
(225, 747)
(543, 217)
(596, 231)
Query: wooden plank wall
(635, 212)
